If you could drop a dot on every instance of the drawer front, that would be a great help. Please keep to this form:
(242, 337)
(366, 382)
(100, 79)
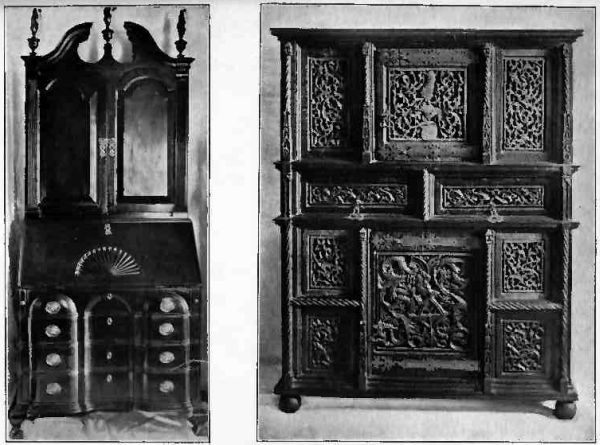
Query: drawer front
(110, 328)
(108, 386)
(167, 358)
(109, 355)
(54, 358)
(169, 329)
(167, 390)
(484, 195)
(55, 331)
(56, 388)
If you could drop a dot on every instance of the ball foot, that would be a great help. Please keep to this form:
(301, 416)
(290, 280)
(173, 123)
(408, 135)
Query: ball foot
(199, 424)
(16, 432)
(565, 410)
(289, 403)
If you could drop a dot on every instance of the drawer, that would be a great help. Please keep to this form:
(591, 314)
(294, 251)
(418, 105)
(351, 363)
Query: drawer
(56, 388)
(167, 357)
(109, 355)
(108, 386)
(54, 331)
(54, 358)
(169, 329)
(110, 328)
(167, 390)
(475, 194)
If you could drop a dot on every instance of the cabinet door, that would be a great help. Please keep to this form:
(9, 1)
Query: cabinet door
(146, 148)
(67, 148)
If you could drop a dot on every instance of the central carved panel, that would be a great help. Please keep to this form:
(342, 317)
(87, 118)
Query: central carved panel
(426, 104)
(422, 302)
(327, 85)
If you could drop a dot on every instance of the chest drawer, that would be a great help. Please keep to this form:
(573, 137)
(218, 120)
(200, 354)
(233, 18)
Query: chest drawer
(166, 390)
(50, 358)
(164, 329)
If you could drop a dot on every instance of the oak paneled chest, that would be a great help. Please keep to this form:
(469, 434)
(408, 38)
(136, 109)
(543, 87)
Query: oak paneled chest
(426, 214)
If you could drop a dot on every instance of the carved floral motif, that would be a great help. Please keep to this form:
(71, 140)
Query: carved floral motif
(367, 195)
(523, 266)
(422, 302)
(328, 262)
(482, 196)
(524, 104)
(426, 104)
(523, 346)
(323, 337)
(327, 77)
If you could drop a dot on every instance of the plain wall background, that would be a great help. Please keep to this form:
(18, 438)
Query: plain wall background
(161, 21)
(370, 16)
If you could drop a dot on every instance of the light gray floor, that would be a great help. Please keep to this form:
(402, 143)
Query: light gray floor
(330, 418)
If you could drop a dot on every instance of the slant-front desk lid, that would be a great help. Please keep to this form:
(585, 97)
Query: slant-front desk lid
(108, 254)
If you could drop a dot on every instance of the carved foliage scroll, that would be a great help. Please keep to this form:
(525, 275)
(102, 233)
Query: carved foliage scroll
(426, 104)
(523, 266)
(480, 196)
(328, 262)
(328, 77)
(323, 334)
(367, 195)
(523, 345)
(524, 103)
(422, 302)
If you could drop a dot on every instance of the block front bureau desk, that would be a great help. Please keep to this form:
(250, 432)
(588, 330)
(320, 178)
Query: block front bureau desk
(107, 299)
(426, 214)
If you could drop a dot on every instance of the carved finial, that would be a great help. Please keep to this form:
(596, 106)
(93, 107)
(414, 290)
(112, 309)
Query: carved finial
(33, 40)
(107, 33)
(181, 44)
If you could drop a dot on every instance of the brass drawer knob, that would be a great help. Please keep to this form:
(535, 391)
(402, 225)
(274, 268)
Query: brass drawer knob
(109, 321)
(52, 331)
(53, 388)
(109, 378)
(167, 304)
(166, 357)
(53, 359)
(166, 386)
(166, 329)
(53, 307)
(108, 355)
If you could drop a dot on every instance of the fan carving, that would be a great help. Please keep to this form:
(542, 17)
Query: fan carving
(107, 261)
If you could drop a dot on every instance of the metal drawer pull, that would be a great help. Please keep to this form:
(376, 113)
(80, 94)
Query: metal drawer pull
(166, 387)
(108, 355)
(53, 388)
(166, 329)
(53, 359)
(167, 304)
(166, 357)
(53, 307)
(109, 321)
(52, 331)
(109, 378)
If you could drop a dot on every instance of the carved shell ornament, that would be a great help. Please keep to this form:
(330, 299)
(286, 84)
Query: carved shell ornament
(107, 261)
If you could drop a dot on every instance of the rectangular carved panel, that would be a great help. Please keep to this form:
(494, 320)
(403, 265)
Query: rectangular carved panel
(426, 104)
(346, 195)
(422, 302)
(327, 78)
(523, 346)
(323, 337)
(523, 103)
(327, 261)
(523, 266)
(478, 197)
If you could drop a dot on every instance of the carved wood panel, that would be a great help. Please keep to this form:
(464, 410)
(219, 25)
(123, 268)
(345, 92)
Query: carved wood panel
(426, 101)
